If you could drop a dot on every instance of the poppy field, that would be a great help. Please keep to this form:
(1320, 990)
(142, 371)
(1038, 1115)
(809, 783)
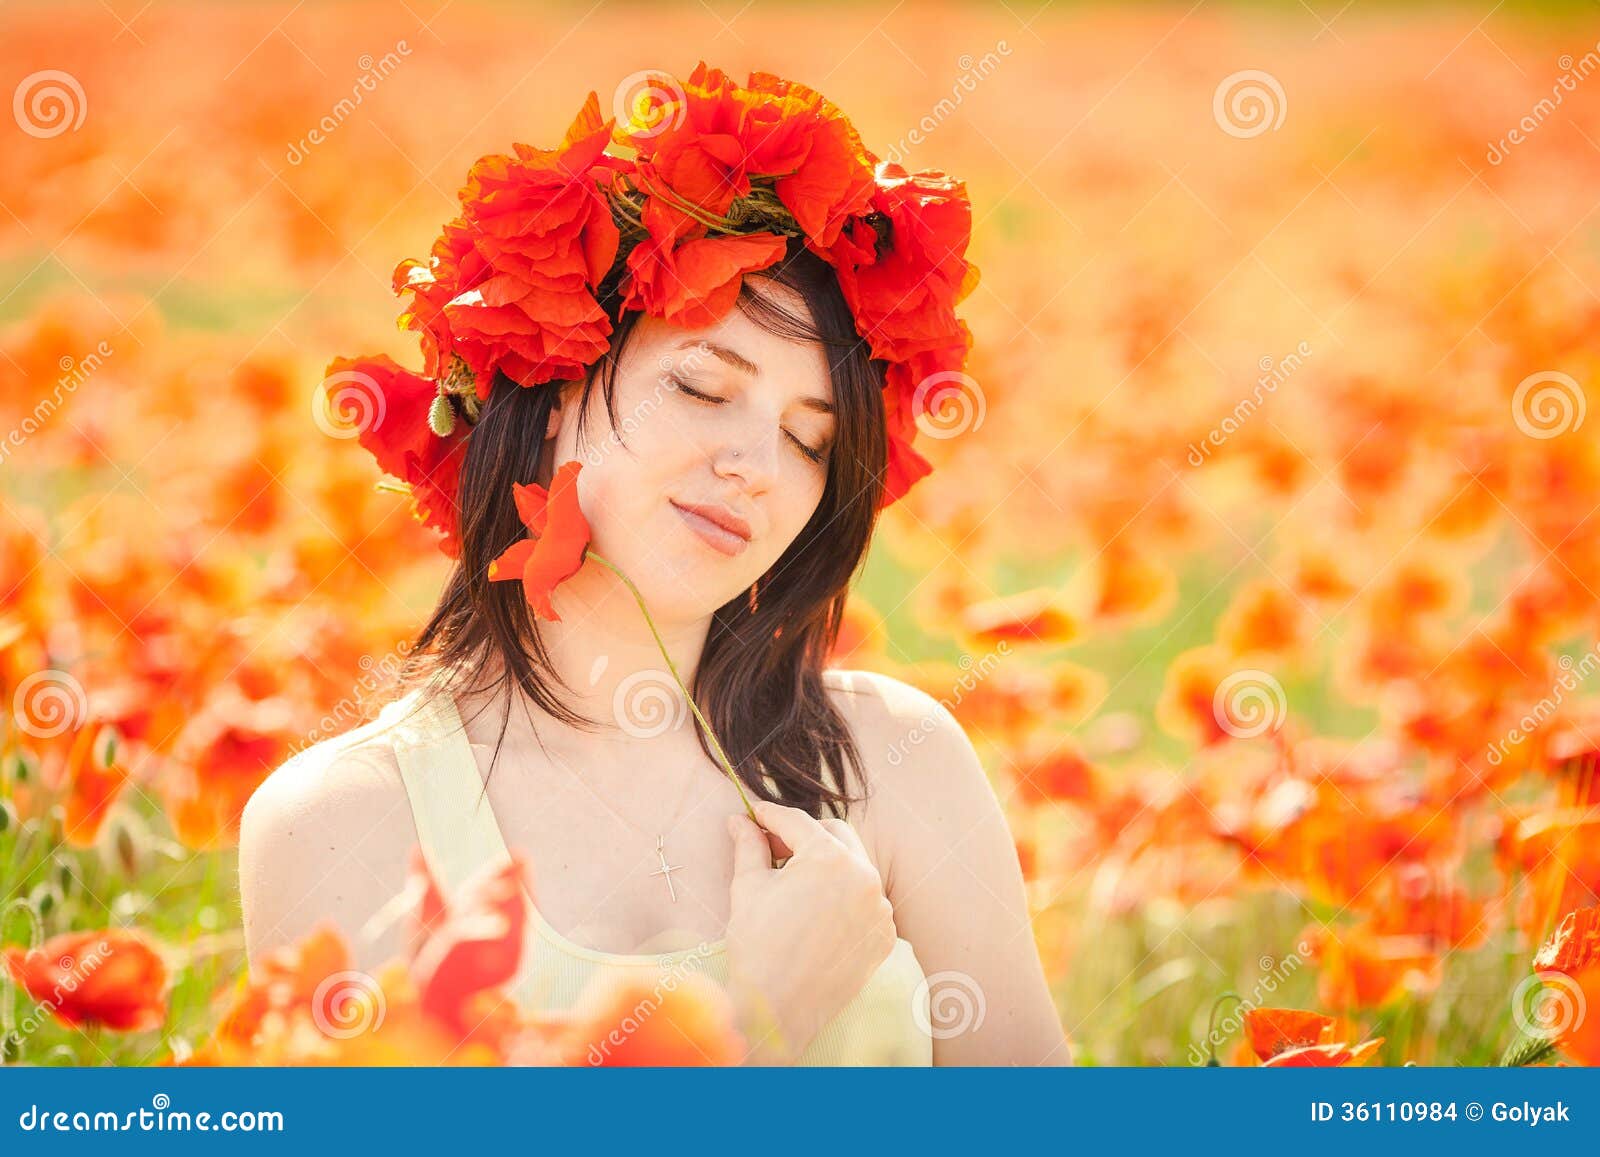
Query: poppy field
(1260, 559)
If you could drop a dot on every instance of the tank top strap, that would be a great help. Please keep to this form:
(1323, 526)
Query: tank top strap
(455, 823)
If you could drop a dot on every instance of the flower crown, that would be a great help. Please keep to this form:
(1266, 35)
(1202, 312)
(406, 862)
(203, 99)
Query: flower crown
(720, 177)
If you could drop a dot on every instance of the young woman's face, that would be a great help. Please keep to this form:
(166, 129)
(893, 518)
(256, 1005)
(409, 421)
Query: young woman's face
(732, 419)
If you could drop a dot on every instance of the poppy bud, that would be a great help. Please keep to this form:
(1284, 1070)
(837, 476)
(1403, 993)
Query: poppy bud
(105, 745)
(45, 898)
(441, 416)
(125, 848)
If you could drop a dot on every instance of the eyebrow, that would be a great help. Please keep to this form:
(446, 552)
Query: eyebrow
(739, 362)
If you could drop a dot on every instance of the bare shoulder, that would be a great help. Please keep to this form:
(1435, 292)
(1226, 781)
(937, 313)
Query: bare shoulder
(923, 773)
(893, 721)
(326, 837)
(950, 869)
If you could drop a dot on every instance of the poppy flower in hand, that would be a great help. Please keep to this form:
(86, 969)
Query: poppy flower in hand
(559, 540)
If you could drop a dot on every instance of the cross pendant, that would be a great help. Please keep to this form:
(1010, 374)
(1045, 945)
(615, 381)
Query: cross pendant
(666, 869)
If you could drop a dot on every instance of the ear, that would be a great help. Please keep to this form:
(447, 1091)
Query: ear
(554, 426)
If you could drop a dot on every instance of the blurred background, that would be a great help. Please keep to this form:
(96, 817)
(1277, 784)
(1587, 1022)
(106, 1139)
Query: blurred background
(1259, 561)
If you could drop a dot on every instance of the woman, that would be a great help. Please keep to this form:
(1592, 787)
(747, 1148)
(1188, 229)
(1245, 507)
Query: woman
(733, 472)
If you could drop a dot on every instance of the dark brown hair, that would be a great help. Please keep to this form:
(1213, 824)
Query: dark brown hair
(759, 680)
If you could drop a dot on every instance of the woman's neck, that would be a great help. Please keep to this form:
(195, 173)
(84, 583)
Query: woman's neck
(611, 666)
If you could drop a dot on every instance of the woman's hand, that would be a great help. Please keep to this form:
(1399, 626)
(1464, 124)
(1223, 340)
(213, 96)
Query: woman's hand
(805, 938)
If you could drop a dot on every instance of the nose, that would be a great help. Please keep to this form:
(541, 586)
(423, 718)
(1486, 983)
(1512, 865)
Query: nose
(751, 458)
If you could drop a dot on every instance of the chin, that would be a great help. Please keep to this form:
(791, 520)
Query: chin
(681, 588)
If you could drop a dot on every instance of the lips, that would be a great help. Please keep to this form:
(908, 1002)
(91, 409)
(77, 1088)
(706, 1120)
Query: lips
(718, 527)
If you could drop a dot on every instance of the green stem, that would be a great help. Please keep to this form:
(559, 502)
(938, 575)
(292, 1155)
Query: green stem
(722, 756)
(1526, 1050)
(707, 218)
(1211, 1025)
(625, 206)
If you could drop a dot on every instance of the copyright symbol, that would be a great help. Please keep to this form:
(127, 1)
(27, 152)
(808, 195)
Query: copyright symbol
(1474, 1111)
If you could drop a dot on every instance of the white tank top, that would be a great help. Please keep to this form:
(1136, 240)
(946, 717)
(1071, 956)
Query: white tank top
(882, 1024)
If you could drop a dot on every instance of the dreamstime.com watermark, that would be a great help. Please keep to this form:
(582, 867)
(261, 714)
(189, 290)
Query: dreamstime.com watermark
(1548, 1006)
(347, 1004)
(1249, 703)
(74, 372)
(377, 674)
(649, 103)
(948, 404)
(48, 103)
(159, 1117)
(973, 672)
(1248, 103)
(948, 1004)
(1573, 673)
(595, 452)
(1548, 404)
(647, 704)
(1572, 72)
(1272, 376)
(348, 403)
(646, 1005)
(1275, 973)
(48, 703)
(372, 72)
(972, 72)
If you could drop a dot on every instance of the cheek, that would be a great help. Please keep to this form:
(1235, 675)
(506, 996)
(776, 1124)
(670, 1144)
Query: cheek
(622, 492)
(798, 504)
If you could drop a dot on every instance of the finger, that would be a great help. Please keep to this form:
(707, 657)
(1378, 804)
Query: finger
(750, 849)
(793, 827)
(846, 835)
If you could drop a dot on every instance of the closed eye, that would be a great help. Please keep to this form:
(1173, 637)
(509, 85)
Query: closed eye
(694, 393)
(814, 455)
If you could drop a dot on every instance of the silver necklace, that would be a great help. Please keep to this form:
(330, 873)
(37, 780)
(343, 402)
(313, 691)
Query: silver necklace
(665, 870)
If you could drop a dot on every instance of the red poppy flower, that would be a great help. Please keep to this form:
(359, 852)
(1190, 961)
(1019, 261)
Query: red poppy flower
(1298, 1038)
(631, 1021)
(95, 778)
(396, 420)
(434, 478)
(540, 216)
(468, 942)
(902, 289)
(284, 981)
(903, 292)
(510, 282)
(559, 540)
(1328, 1056)
(224, 753)
(692, 283)
(1272, 1030)
(905, 465)
(1056, 769)
(721, 135)
(110, 977)
(1032, 616)
(1571, 958)
(532, 333)
(398, 435)
(835, 181)
(453, 267)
